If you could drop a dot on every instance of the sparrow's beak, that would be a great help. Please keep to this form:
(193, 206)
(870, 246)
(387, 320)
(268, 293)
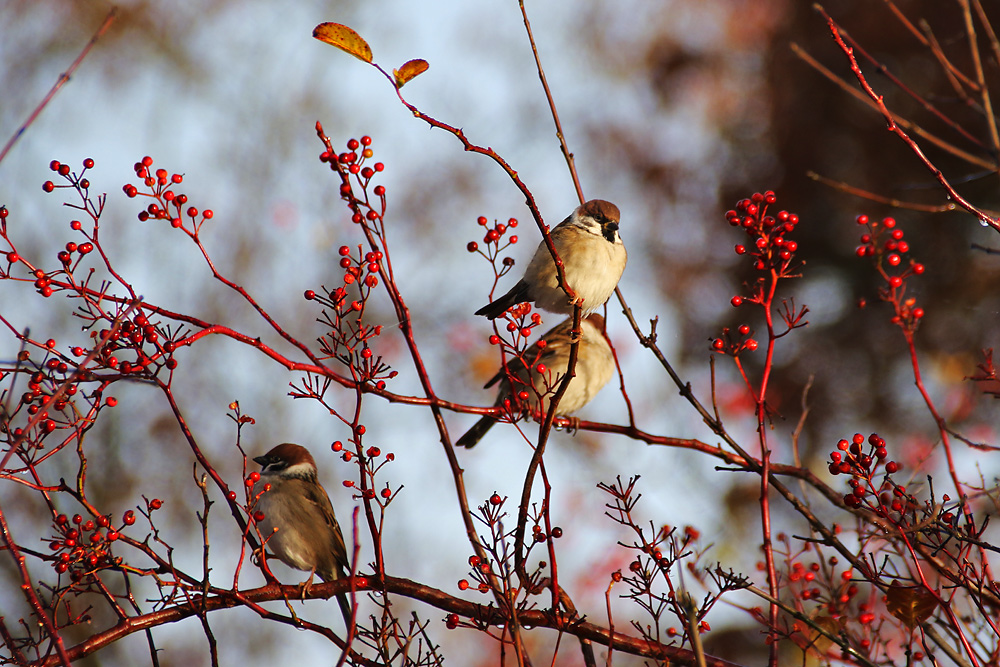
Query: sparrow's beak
(260, 460)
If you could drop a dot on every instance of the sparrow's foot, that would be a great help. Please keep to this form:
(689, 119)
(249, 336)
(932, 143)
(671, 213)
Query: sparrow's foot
(307, 585)
(571, 424)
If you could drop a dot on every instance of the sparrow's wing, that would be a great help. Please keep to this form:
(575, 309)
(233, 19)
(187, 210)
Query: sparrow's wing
(316, 496)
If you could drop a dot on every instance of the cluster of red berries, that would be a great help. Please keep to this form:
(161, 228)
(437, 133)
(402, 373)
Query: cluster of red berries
(521, 320)
(884, 244)
(732, 343)
(133, 335)
(885, 241)
(772, 253)
(492, 240)
(364, 271)
(769, 247)
(64, 170)
(349, 162)
(49, 394)
(480, 571)
(85, 546)
(168, 205)
(65, 257)
(355, 268)
(538, 535)
(520, 323)
(43, 281)
(850, 459)
(371, 454)
(354, 272)
(38, 399)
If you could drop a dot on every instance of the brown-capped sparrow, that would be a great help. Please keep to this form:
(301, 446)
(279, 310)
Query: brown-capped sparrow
(299, 525)
(594, 367)
(593, 258)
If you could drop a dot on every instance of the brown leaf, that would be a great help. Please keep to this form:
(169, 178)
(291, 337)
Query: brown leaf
(344, 39)
(911, 604)
(409, 70)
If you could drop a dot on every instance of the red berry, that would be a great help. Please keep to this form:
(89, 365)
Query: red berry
(736, 301)
(88, 163)
(48, 186)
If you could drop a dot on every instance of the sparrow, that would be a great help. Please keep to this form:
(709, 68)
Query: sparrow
(593, 258)
(299, 525)
(594, 367)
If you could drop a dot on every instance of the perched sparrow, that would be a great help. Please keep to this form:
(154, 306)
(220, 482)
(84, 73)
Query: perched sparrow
(593, 257)
(594, 367)
(299, 524)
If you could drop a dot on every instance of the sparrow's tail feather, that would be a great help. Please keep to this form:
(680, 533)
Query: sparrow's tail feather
(345, 609)
(517, 294)
(476, 433)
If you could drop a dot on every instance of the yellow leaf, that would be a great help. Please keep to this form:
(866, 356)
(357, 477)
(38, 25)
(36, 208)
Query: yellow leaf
(409, 70)
(344, 39)
(911, 604)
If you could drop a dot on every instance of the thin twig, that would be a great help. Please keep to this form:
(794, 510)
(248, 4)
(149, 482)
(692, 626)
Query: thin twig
(63, 79)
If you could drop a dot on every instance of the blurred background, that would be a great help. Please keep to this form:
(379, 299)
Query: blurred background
(674, 110)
